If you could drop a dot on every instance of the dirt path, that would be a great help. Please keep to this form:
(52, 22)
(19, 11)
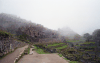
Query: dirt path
(41, 58)
(11, 57)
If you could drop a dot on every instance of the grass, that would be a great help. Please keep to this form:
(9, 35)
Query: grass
(73, 41)
(88, 50)
(88, 43)
(89, 46)
(55, 44)
(60, 55)
(28, 50)
(73, 62)
(39, 50)
(65, 58)
(62, 47)
(35, 47)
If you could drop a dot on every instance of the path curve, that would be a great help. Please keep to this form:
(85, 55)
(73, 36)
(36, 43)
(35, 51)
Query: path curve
(11, 57)
(41, 58)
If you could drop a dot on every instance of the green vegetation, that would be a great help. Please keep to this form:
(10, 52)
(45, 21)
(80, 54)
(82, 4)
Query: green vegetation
(39, 50)
(88, 43)
(73, 41)
(23, 36)
(4, 33)
(28, 50)
(65, 58)
(33, 49)
(55, 44)
(60, 55)
(89, 46)
(62, 47)
(88, 50)
(73, 62)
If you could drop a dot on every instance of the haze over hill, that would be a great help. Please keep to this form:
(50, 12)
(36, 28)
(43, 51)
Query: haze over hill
(66, 31)
(16, 25)
(80, 15)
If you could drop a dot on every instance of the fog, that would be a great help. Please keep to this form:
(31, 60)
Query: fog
(80, 15)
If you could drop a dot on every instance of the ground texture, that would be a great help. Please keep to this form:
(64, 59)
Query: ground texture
(11, 57)
(34, 57)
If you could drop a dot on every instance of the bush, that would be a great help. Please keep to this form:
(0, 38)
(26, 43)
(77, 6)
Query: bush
(27, 51)
(5, 34)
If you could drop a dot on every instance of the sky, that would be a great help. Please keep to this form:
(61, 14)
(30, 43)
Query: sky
(82, 16)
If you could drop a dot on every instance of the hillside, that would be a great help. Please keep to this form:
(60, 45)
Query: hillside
(26, 30)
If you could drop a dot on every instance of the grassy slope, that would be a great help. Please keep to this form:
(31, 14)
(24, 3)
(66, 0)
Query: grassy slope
(62, 47)
(60, 55)
(28, 50)
(88, 43)
(67, 59)
(54, 44)
(73, 62)
(39, 50)
(73, 41)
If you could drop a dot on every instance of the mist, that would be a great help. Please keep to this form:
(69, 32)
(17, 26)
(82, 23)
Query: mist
(80, 15)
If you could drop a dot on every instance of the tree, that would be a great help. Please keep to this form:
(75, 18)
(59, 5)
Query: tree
(96, 35)
(87, 36)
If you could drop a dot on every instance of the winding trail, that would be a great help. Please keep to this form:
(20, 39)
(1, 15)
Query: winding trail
(11, 57)
(34, 57)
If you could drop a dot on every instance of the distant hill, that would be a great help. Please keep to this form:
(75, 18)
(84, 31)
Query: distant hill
(66, 31)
